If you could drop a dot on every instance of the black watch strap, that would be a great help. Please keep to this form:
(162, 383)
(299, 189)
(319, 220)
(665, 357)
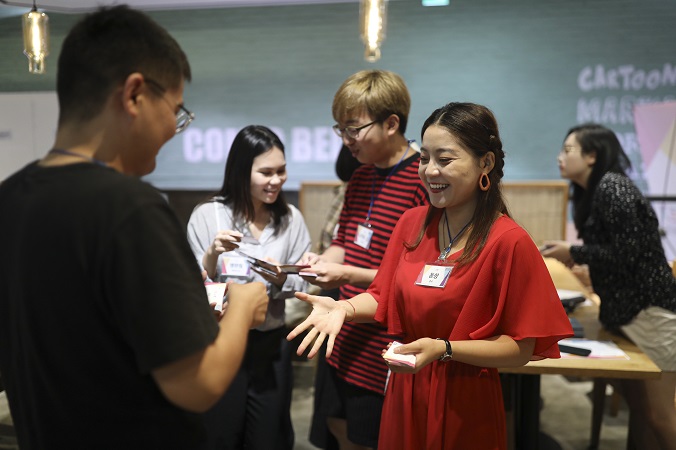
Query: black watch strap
(449, 351)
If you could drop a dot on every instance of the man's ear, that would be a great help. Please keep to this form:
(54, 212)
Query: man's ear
(132, 88)
(392, 124)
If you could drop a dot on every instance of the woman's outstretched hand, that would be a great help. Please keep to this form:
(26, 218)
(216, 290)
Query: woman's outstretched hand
(326, 319)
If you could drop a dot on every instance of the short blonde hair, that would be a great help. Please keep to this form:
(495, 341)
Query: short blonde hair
(379, 93)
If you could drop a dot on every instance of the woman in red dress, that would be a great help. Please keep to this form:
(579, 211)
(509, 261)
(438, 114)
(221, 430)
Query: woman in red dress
(465, 286)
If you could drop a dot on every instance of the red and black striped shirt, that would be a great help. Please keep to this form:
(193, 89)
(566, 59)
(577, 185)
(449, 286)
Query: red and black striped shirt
(357, 349)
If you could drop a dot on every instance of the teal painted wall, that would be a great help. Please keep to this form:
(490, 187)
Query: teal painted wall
(542, 66)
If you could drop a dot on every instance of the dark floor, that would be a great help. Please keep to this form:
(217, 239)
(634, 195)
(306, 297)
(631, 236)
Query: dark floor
(565, 415)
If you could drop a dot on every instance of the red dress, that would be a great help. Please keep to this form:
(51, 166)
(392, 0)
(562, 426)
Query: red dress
(507, 290)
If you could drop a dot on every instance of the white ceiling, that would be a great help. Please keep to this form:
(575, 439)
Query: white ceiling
(77, 6)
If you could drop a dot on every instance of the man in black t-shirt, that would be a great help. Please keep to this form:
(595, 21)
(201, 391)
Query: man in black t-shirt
(107, 339)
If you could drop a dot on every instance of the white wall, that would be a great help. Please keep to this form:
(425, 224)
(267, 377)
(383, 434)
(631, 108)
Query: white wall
(27, 128)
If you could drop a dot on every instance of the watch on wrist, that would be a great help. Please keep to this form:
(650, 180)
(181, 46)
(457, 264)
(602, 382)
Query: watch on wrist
(448, 355)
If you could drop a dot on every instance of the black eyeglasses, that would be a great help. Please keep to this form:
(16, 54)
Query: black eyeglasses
(351, 132)
(183, 117)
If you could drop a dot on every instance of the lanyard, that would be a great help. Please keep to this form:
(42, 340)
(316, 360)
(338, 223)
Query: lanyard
(78, 155)
(444, 254)
(373, 185)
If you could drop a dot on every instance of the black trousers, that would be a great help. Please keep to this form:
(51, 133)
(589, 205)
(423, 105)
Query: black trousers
(255, 412)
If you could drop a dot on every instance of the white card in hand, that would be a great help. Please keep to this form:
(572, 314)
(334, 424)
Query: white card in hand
(397, 359)
(216, 292)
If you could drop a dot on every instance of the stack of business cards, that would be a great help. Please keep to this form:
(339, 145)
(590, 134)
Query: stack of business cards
(397, 359)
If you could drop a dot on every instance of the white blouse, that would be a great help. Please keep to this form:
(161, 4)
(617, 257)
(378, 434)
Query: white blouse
(287, 247)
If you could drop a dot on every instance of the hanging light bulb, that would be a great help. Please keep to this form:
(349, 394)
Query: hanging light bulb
(36, 39)
(373, 16)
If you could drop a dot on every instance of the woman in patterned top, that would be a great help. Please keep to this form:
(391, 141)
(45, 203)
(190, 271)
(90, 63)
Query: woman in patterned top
(628, 268)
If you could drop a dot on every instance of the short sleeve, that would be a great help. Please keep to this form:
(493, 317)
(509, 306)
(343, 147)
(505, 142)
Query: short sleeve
(527, 304)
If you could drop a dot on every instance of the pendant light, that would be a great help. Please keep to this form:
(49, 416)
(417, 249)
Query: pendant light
(373, 20)
(36, 39)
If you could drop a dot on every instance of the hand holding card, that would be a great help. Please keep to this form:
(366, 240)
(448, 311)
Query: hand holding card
(397, 359)
(249, 240)
(271, 268)
(215, 293)
(292, 268)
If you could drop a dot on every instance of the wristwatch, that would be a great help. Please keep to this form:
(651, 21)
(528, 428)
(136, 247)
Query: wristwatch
(449, 351)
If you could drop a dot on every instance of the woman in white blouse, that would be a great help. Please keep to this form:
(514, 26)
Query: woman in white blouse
(248, 216)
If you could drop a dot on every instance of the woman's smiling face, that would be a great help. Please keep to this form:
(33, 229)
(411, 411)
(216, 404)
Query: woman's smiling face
(449, 171)
(268, 175)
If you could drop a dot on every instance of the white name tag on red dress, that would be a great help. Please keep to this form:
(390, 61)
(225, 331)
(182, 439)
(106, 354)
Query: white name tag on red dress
(434, 275)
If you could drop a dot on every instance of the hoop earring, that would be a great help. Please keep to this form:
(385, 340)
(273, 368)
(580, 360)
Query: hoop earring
(484, 182)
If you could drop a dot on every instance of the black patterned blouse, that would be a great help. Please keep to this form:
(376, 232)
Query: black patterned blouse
(622, 246)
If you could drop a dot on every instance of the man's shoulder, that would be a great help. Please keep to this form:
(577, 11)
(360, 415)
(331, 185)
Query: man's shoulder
(81, 179)
(93, 185)
(364, 169)
(114, 185)
(408, 169)
(17, 176)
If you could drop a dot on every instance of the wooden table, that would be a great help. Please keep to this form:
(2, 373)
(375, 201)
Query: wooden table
(522, 384)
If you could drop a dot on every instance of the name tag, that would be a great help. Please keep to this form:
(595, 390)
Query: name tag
(216, 292)
(434, 276)
(235, 266)
(364, 235)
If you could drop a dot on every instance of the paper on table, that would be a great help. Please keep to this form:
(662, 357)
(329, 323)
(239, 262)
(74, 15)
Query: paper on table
(215, 293)
(565, 294)
(599, 349)
(397, 359)
(570, 299)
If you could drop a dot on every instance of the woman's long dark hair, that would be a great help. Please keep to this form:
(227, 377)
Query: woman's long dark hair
(477, 130)
(250, 142)
(610, 157)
